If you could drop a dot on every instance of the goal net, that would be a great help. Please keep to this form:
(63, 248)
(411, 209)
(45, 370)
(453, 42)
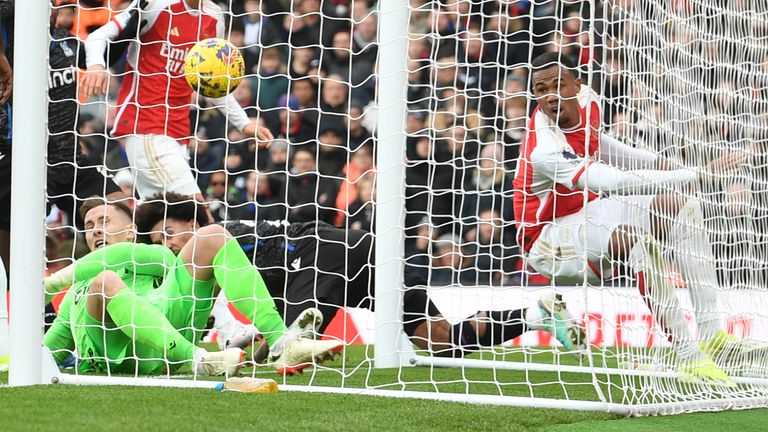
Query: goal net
(584, 230)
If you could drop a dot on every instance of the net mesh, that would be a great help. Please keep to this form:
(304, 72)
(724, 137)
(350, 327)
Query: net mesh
(682, 80)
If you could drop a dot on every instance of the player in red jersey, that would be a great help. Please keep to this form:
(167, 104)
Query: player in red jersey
(585, 202)
(154, 103)
(154, 98)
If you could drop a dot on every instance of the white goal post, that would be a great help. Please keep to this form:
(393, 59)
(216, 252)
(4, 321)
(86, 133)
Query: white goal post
(681, 81)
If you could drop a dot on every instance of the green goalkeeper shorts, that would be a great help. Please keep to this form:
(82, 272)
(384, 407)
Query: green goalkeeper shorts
(185, 301)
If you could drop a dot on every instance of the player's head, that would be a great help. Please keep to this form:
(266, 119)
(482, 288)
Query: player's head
(170, 219)
(555, 83)
(106, 222)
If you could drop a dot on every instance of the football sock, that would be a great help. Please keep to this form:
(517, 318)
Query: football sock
(503, 326)
(146, 325)
(645, 259)
(220, 312)
(696, 263)
(464, 338)
(244, 287)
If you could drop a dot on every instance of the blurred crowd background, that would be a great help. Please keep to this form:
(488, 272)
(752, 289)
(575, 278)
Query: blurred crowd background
(312, 66)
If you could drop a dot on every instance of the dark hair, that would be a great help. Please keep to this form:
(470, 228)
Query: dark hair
(552, 59)
(170, 205)
(96, 201)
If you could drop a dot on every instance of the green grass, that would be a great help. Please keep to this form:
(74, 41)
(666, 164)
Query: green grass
(62, 407)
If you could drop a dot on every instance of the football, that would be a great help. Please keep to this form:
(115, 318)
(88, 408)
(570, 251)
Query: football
(214, 67)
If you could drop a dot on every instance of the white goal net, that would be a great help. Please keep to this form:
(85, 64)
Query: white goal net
(550, 203)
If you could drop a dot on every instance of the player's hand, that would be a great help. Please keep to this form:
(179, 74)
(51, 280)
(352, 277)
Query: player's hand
(262, 134)
(94, 81)
(724, 165)
(6, 79)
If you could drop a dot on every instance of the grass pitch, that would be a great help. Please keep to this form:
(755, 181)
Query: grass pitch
(61, 407)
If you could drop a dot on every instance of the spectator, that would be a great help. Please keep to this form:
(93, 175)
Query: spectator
(331, 149)
(449, 263)
(206, 158)
(216, 195)
(258, 31)
(278, 156)
(292, 123)
(494, 249)
(302, 27)
(358, 134)
(361, 210)
(310, 197)
(340, 60)
(488, 186)
(359, 166)
(271, 82)
(261, 199)
(301, 59)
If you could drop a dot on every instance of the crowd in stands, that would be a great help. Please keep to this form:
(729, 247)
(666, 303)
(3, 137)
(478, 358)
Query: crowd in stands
(312, 81)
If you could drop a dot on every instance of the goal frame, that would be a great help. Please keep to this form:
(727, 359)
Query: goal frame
(31, 363)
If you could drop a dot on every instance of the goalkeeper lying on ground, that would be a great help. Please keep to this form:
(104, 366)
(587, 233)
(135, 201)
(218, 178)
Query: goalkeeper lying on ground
(314, 265)
(136, 308)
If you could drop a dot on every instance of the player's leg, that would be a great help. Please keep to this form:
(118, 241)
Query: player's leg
(638, 245)
(693, 257)
(429, 330)
(213, 253)
(111, 301)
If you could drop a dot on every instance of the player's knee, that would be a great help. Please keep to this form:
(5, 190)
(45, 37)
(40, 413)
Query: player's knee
(668, 205)
(212, 235)
(107, 283)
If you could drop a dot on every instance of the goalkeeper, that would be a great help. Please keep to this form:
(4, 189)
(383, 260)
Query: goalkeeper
(308, 265)
(139, 308)
(568, 226)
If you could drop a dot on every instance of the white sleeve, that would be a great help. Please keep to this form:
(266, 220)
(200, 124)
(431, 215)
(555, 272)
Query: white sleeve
(562, 166)
(98, 41)
(600, 177)
(615, 152)
(231, 110)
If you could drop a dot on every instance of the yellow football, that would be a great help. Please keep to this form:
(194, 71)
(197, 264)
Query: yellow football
(214, 67)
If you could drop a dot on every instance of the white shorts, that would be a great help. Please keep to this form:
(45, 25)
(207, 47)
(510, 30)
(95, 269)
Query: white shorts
(160, 164)
(579, 241)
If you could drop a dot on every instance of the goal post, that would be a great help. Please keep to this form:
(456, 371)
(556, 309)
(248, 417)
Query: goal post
(28, 190)
(431, 151)
(390, 199)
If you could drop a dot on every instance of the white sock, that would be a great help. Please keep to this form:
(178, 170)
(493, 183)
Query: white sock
(653, 282)
(696, 263)
(197, 359)
(221, 313)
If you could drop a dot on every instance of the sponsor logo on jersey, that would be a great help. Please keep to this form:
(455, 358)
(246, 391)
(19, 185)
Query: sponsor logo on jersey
(60, 78)
(175, 58)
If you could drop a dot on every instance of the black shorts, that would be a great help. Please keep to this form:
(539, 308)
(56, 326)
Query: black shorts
(5, 187)
(70, 184)
(330, 271)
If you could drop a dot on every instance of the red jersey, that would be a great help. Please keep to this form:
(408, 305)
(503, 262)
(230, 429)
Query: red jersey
(551, 161)
(154, 96)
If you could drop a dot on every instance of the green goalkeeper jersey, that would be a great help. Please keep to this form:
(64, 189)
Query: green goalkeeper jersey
(141, 267)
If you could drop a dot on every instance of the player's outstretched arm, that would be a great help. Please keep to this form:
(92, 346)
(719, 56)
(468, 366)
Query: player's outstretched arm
(574, 172)
(616, 153)
(231, 109)
(152, 260)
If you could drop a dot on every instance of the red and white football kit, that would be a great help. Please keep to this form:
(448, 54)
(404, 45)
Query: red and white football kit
(565, 228)
(154, 99)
